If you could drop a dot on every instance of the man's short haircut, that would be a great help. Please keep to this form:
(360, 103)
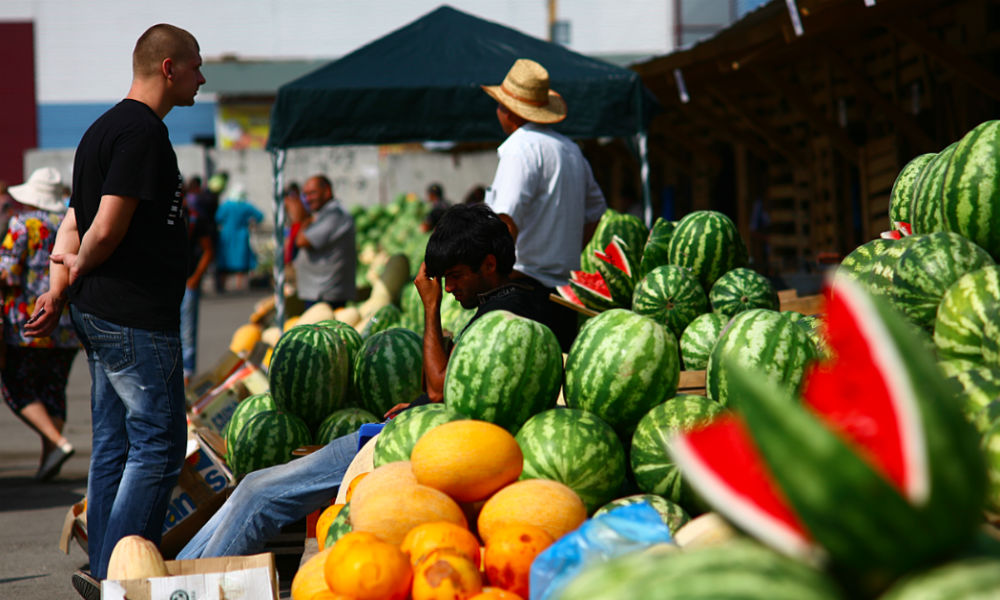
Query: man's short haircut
(465, 235)
(324, 181)
(160, 42)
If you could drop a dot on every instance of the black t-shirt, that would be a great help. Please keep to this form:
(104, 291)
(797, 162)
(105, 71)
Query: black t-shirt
(127, 152)
(526, 297)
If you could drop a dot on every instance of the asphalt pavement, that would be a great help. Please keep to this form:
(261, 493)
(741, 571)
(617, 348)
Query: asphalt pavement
(31, 513)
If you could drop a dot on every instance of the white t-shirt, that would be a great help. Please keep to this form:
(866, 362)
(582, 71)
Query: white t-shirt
(545, 185)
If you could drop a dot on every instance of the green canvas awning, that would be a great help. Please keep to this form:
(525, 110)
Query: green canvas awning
(421, 82)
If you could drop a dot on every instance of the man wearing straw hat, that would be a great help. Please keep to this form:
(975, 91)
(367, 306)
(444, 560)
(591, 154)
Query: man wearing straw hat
(543, 189)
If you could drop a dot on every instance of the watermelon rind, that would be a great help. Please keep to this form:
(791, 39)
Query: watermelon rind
(266, 440)
(628, 227)
(970, 203)
(991, 453)
(964, 314)
(969, 579)
(699, 338)
(396, 440)
(742, 289)
(926, 207)
(504, 369)
(388, 370)
(620, 366)
(671, 296)
(592, 298)
(383, 318)
(656, 252)
(575, 448)
(901, 196)
(708, 243)
(859, 263)
(976, 387)
(309, 374)
(343, 422)
(340, 525)
(244, 411)
(616, 270)
(673, 515)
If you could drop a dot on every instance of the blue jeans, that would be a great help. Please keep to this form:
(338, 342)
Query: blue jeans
(189, 330)
(139, 431)
(267, 500)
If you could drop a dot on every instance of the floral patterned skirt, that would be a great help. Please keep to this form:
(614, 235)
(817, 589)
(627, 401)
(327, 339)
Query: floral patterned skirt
(37, 375)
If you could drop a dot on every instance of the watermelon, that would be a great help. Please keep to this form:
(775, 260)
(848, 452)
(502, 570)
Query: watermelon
(400, 434)
(587, 290)
(764, 340)
(616, 271)
(266, 440)
(813, 326)
(388, 370)
(575, 448)
(879, 278)
(504, 369)
(901, 196)
(454, 317)
(245, 410)
(699, 338)
(352, 339)
(620, 366)
(674, 517)
(309, 373)
(926, 207)
(383, 318)
(343, 422)
(874, 473)
(966, 579)
(859, 263)
(707, 243)
(628, 227)
(671, 296)
(970, 204)
(340, 525)
(977, 387)
(411, 304)
(928, 266)
(740, 569)
(991, 452)
(968, 308)
(742, 289)
(656, 252)
(654, 470)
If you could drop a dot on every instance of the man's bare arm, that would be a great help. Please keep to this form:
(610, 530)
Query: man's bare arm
(107, 231)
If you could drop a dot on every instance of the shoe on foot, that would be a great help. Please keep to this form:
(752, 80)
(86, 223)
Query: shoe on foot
(54, 461)
(85, 585)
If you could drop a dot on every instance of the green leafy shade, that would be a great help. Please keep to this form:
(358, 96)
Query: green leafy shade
(620, 366)
(575, 448)
(504, 369)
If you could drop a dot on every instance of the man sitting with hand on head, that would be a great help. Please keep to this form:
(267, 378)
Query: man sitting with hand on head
(473, 251)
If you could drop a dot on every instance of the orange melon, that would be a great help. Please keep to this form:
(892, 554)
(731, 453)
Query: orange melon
(427, 537)
(446, 575)
(390, 513)
(390, 476)
(324, 521)
(547, 504)
(366, 568)
(509, 554)
(310, 580)
(468, 460)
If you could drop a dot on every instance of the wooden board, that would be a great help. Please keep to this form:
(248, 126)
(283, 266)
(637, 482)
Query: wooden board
(580, 309)
(692, 382)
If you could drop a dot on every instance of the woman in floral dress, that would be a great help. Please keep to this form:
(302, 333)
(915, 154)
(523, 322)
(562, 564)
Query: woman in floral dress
(36, 370)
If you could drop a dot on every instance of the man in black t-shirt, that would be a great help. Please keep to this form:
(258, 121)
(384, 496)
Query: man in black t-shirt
(121, 260)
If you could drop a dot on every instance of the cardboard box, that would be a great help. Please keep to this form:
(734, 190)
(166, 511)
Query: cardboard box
(204, 382)
(225, 578)
(215, 408)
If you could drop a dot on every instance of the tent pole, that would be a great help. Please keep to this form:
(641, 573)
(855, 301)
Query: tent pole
(278, 162)
(642, 141)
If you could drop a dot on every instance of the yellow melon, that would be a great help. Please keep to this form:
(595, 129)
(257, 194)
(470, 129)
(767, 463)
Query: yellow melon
(547, 504)
(321, 311)
(310, 579)
(392, 476)
(135, 557)
(245, 338)
(289, 323)
(390, 513)
(468, 459)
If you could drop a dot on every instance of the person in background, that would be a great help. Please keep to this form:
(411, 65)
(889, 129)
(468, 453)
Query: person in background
(475, 195)
(543, 189)
(295, 213)
(36, 370)
(435, 197)
(201, 242)
(327, 258)
(120, 259)
(235, 218)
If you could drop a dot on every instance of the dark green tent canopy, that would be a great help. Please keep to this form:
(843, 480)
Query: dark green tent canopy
(421, 82)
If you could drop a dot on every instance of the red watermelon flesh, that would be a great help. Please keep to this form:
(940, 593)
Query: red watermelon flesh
(615, 256)
(567, 293)
(591, 281)
(722, 462)
(862, 392)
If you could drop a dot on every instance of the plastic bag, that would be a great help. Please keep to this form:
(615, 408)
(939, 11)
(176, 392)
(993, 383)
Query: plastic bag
(620, 531)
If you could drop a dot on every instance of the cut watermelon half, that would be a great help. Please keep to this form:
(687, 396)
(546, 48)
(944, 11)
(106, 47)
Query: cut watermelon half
(721, 460)
(590, 290)
(616, 270)
(614, 255)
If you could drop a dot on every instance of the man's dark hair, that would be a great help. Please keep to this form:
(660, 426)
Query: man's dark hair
(466, 235)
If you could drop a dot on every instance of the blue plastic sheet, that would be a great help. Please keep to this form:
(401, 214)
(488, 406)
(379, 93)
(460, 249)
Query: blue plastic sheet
(620, 531)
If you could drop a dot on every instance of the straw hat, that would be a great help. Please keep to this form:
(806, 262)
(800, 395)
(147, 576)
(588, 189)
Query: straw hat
(42, 190)
(525, 92)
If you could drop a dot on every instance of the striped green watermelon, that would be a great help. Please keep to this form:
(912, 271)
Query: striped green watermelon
(699, 338)
(384, 318)
(656, 253)
(926, 207)
(575, 448)
(859, 263)
(340, 525)
(970, 204)
(245, 410)
(617, 271)
(875, 472)
(504, 369)
(991, 452)
(620, 366)
(901, 196)
(738, 570)
(588, 290)
(707, 243)
(742, 289)
(389, 369)
(671, 296)
(410, 303)
(309, 373)
(674, 517)
(883, 269)
(978, 387)
(454, 318)
(763, 340)
(343, 422)
(967, 309)
(975, 578)
(352, 339)
(628, 227)
(813, 326)
(654, 470)
(407, 322)
(928, 266)
(266, 440)
(396, 440)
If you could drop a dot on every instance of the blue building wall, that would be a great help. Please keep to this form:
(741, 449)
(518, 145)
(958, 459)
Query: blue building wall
(62, 125)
